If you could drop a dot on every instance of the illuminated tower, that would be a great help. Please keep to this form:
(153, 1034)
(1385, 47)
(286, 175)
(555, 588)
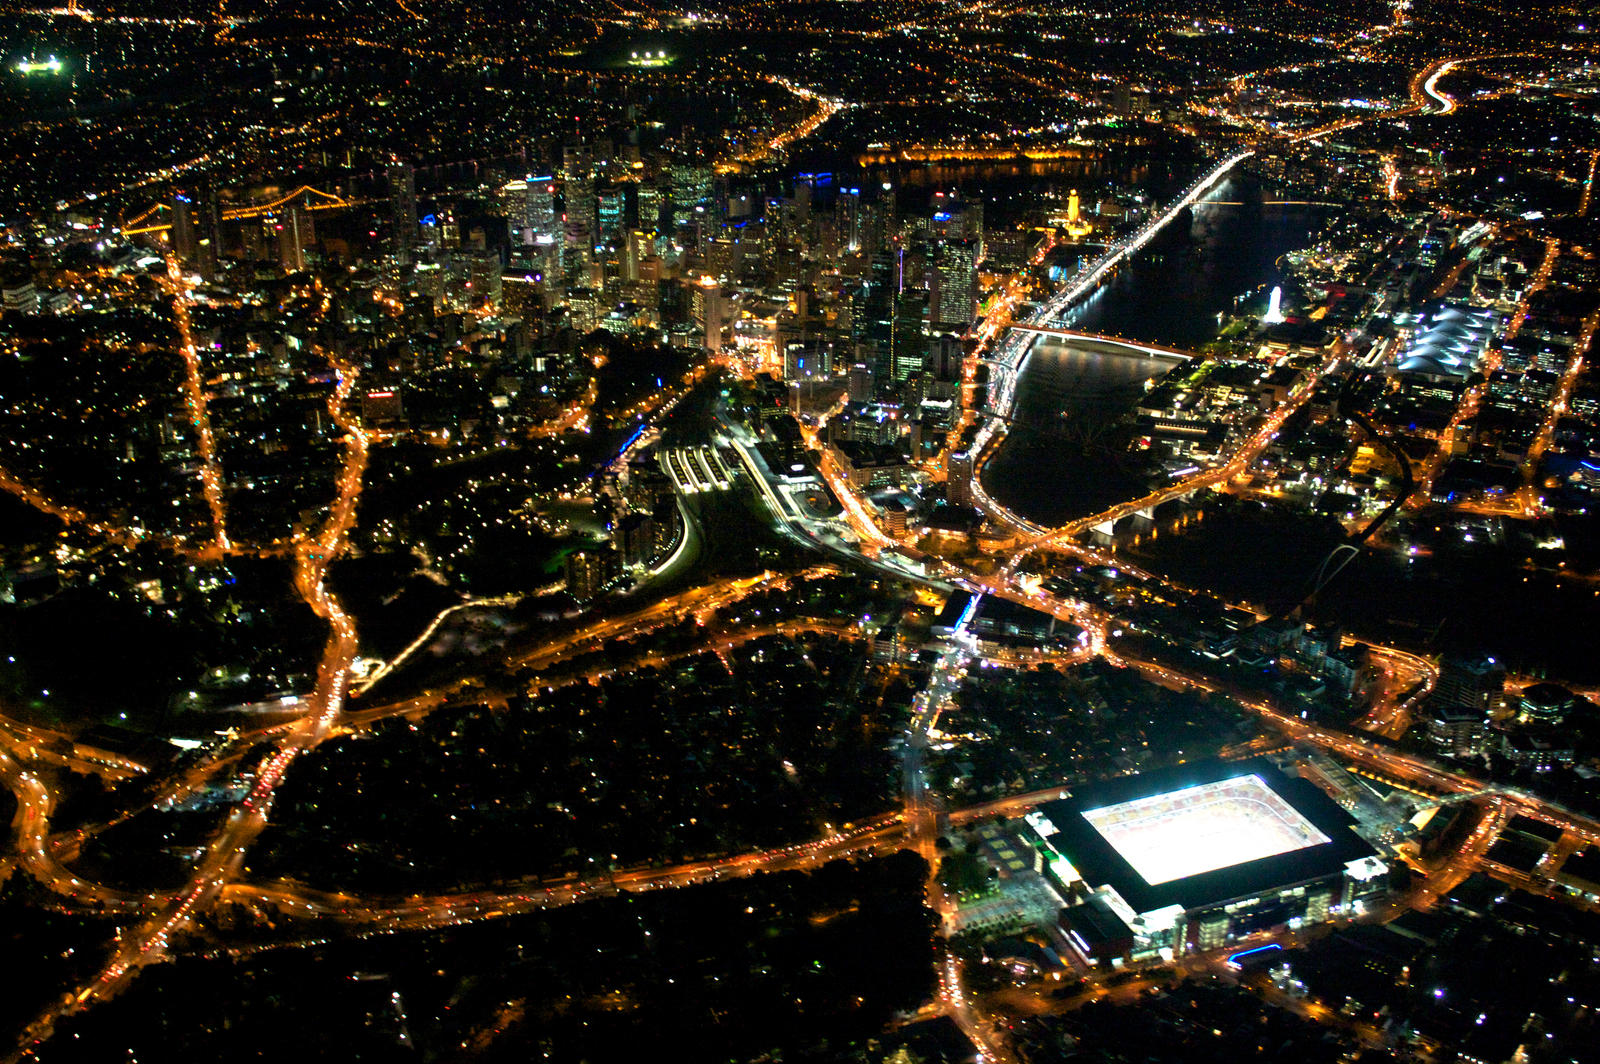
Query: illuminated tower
(908, 335)
(402, 209)
(958, 483)
(182, 235)
(1076, 226)
(196, 233)
(208, 229)
(539, 206)
(294, 234)
(848, 209)
(955, 282)
(1274, 314)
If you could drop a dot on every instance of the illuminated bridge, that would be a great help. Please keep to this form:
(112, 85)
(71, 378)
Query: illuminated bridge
(306, 197)
(1090, 278)
(1130, 347)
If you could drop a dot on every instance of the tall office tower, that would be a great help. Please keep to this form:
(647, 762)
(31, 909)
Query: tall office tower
(611, 211)
(860, 383)
(484, 282)
(208, 229)
(888, 218)
(196, 233)
(253, 240)
(577, 161)
(637, 249)
(723, 258)
(577, 175)
(18, 293)
(955, 276)
(876, 321)
(182, 235)
(581, 227)
(402, 209)
(972, 225)
(714, 312)
(847, 218)
(958, 479)
(539, 207)
(908, 338)
(946, 358)
(589, 571)
(294, 234)
(1475, 682)
(804, 187)
(1076, 226)
(691, 187)
(653, 202)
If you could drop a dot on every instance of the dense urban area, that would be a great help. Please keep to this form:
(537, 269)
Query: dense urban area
(850, 531)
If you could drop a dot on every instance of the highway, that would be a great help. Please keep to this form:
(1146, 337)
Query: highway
(42, 744)
(211, 482)
(428, 632)
(148, 940)
(914, 826)
(780, 142)
(1405, 680)
(32, 840)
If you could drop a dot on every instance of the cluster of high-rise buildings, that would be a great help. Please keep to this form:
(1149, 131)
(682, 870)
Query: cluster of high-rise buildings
(815, 282)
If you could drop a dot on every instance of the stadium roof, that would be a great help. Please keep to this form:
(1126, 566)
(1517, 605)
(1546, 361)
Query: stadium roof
(1306, 810)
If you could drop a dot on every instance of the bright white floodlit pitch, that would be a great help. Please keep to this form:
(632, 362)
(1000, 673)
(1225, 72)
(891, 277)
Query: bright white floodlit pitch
(1199, 829)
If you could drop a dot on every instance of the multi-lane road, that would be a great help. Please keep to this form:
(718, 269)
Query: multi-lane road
(222, 858)
(211, 482)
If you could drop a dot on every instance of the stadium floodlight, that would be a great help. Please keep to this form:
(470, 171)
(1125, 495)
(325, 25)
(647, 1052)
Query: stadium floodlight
(1199, 829)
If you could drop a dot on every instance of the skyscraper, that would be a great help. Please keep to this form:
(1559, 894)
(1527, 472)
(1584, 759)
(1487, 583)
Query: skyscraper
(182, 235)
(196, 233)
(581, 218)
(402, 209)
(691, 186)
(876, 321)
(652, 207)
(294, 234)
(955, 283)
(958, 480)
(208, 229)
(577, 175)
(847, 209)
(539, 207)
(908, 337)
(611, 211)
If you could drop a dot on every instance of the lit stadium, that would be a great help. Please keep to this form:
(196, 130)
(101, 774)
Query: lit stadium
(1201, 828)
(1199, 855)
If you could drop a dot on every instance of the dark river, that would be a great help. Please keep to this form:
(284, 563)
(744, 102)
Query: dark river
(1063, 457)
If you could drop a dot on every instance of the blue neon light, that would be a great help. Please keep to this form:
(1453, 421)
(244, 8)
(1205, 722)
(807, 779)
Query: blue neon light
(1268, 948)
